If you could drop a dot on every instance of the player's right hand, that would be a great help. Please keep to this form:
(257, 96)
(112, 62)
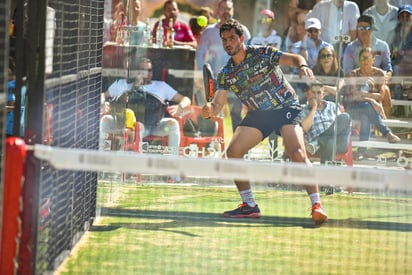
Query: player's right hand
(207, 110)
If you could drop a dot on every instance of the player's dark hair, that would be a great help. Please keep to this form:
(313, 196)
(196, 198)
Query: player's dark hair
(231, 24)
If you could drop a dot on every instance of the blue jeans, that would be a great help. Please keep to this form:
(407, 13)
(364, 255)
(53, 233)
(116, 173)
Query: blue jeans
(326, 139)
(364, 112)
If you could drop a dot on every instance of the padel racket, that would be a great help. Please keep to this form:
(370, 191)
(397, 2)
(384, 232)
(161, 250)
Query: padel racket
(208, 82)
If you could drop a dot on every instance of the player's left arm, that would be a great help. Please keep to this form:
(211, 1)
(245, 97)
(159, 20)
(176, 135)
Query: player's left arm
(295, 60)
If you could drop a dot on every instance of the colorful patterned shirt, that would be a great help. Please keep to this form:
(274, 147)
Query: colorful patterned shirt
(258, 81)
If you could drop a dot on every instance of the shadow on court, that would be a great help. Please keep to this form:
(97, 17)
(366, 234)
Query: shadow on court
(185, 219)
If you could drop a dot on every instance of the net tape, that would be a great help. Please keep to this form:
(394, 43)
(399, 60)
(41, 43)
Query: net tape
(259, 172)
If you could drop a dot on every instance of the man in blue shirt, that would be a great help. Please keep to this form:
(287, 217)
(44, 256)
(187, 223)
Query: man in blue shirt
(366, 39)
(318, 118)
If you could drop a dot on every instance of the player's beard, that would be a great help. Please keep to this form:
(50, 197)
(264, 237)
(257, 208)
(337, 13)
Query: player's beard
(235, 50)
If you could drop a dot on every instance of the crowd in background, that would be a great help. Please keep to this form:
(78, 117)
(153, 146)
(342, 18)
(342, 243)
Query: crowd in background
(329, 34)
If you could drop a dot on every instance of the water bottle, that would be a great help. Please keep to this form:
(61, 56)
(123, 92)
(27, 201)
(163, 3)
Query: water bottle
(170, 36)
(159, 34)
(365, 87)
(147, 34)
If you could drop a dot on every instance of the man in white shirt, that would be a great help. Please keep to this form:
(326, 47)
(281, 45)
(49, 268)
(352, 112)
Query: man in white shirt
(385, 20)
(157, 94)
(314, 44)
(330, 12)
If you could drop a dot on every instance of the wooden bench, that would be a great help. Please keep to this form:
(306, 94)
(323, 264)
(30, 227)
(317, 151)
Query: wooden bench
(401, 102)
(398, 123)
(383, 144)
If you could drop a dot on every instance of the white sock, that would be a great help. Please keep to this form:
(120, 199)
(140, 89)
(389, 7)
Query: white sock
(314, 198)
(247, 196)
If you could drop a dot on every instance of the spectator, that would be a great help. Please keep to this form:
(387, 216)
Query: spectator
(385, 18)
(365, 39)
(381, 55)
(402, 44)
(267, 35)
(208, 13)
(398, 3)
(363, 96)
(136, 32)
(197, 30)
(183, 33)
(330, 12)
(11, 98)
(210, 50)
(124, 119)
(318, 118)
(107, 123)
(295, 37)
(314, 43)
(296, 13)
(327, 71)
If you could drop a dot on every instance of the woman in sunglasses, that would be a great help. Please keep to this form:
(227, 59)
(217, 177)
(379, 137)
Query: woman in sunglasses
(327, 70)
(362, 99)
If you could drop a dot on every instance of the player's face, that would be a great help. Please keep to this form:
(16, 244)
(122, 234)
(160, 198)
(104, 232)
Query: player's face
(232, 43)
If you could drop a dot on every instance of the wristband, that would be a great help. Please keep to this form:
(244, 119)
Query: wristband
(303, 65)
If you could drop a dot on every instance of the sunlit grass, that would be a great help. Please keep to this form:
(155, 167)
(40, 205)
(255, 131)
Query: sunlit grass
(179, 230)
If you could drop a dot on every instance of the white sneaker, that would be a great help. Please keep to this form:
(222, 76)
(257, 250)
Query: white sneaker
(311, 148)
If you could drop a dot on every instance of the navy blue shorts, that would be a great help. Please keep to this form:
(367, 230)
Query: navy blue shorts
(272, 120)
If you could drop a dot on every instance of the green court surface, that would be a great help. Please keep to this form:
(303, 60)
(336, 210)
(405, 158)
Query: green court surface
(179, 229)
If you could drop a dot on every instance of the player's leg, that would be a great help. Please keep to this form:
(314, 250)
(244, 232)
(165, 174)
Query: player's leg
(294, 144)
(242, 141)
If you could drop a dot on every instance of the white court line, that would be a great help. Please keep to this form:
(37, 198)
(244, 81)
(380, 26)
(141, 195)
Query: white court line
(287, 173)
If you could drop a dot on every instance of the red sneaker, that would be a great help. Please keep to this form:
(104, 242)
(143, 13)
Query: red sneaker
(318, 214)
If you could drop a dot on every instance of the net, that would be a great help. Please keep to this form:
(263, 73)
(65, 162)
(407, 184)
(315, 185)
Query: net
(63, 97)
(159, 227)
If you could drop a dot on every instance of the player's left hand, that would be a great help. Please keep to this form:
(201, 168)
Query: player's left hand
(305, 71)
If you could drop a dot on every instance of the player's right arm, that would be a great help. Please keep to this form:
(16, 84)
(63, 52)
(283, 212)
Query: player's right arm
(213, 108)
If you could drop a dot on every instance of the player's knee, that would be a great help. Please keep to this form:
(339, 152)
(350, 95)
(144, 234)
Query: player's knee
(231, 153)
(299, 156)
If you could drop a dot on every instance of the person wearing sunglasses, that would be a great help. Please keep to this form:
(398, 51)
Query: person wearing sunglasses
(402, 44)
(327, 70)
(362, 99)
(314, 43)
(333, 14)
(366, 39)
(267, 35)
(381, 53)
(317, 118)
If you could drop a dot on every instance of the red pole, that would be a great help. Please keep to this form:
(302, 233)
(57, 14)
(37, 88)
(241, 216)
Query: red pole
(13, 180)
